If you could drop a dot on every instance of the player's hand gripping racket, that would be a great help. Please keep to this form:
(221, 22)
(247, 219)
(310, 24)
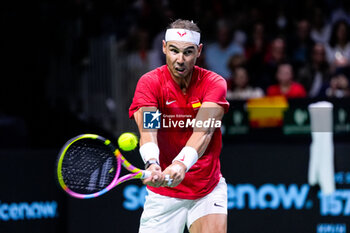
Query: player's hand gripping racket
(89, 166)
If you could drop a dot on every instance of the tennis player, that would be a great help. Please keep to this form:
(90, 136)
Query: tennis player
(196, 193)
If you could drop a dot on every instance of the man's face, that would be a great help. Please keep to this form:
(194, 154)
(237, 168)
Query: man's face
(284, 74)
(318, 54)
(181, 57)
(278, 49)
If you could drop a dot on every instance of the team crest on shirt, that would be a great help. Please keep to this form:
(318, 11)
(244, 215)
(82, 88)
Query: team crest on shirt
(195, 104)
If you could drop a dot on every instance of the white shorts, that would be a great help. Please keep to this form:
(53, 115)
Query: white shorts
(170, 215)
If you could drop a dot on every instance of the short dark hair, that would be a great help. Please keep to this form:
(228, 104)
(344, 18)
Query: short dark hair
(184, 24)
(335, 27)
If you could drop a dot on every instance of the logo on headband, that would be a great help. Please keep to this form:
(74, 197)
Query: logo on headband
(178, 34)
(181, 34)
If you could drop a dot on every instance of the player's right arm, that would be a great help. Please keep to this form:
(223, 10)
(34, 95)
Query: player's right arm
(148, 146)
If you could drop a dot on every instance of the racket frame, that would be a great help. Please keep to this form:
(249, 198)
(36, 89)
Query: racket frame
(136, 173)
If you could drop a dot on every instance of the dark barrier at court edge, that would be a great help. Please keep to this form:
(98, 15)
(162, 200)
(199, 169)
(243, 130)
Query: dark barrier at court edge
(267, 192)
(29, 198)
(295, 120)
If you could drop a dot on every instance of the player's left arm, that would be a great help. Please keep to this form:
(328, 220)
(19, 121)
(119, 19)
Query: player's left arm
(196, 144)
(201, 136)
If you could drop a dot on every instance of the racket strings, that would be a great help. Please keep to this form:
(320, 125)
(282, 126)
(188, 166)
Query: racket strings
(88, 166)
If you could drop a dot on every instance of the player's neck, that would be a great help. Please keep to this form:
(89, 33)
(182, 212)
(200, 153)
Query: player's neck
(184, 83)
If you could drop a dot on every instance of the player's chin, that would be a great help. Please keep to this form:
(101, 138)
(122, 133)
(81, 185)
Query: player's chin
(181, 74)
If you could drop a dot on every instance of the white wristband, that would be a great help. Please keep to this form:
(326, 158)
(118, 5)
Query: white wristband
(188, 156)
(149, 150)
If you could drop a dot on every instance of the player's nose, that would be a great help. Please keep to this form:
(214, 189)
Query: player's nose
(180, 58)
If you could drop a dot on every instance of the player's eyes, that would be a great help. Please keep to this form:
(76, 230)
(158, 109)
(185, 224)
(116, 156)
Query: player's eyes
(186, 53)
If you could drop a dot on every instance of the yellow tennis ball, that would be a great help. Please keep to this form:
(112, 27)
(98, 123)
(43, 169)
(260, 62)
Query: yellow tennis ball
(127, 141)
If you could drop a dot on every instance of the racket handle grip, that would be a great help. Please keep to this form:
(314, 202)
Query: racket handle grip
(146, 174)
(168, 179)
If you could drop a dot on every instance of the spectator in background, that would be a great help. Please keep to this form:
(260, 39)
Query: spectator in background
(139, 51)
(340, 12)
(282, 23)
(338, 87)
(286, 86)
(239, 88)
(157, 56)
(235, 62)
(138, 59)
(338, 49)
(275, 55)
(300, 44)
(255, 51)
(320, 29)
(315, 74)
(276, 52)
(218, 53)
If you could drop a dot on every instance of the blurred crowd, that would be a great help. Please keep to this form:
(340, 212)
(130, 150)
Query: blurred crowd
(297, 48)
(262, 48)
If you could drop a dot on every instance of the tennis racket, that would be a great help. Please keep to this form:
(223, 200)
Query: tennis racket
(89, 166)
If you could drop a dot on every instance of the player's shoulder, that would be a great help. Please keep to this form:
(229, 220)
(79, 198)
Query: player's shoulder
(154, 76)
(297, 85)
(208, 75)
